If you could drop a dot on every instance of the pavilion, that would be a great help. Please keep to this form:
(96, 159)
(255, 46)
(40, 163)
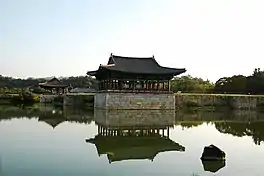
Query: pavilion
(134, 74)
(55, 86)
(134, 83)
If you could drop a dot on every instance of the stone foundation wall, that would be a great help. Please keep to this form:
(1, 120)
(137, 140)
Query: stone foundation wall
(111, 100)
(47, 98)
(78, 100)
(232, 101)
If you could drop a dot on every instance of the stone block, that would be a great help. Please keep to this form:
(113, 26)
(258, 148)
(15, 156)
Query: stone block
(112, 100)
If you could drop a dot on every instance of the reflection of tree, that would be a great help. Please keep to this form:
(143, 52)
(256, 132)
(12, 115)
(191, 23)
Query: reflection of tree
(254, 129)
(50, 115)
(234, 128)
(187, 125)
(9, 112)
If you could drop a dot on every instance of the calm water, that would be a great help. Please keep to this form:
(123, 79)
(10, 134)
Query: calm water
(73, 142)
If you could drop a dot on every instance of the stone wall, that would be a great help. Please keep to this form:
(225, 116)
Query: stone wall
(47, 98)
(100, 100)
(78, 100)
(233, 101)
(111, 100)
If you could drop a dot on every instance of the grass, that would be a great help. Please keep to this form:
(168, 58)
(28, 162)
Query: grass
(18, 98)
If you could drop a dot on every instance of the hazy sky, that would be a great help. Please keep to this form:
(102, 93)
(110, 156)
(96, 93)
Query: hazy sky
(210, 38)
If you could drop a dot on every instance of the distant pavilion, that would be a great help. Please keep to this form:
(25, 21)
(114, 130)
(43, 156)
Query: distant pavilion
(134, 74)
(55, 86)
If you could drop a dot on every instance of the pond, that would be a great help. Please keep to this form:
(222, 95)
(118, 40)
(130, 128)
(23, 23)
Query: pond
(54, 142)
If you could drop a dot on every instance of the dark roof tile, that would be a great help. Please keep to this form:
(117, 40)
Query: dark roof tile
(146, 65)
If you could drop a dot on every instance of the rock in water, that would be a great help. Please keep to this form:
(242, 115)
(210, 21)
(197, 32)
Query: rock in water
(212, 153)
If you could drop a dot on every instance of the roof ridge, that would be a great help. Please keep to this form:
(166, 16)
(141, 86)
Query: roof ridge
(129, 57)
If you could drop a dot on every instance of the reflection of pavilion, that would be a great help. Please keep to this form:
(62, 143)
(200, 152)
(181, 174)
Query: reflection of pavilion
(142, 139)
(54, 117)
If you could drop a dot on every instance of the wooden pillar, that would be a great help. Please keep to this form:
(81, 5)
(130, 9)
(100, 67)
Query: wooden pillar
(163, 86)
(119, 84)
(168, 85)
(130, 85)
(153, 85)
(103, 131)
(107, 84)
(148, 84)
(116, 84)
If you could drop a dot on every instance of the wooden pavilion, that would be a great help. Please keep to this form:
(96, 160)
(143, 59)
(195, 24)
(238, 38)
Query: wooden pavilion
(55, 86)
(134, 74)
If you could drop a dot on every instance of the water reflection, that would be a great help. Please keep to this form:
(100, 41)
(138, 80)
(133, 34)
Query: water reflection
(254, 129)
(238, 123)
(48, 114)
(130, 134)
(177, 138)
(213, 166)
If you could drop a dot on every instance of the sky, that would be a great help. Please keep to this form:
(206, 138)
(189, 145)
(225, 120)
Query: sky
(210, 38)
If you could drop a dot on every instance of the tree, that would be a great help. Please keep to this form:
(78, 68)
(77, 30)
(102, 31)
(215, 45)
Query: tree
(190, 84)
(255, 82)
(234, 84)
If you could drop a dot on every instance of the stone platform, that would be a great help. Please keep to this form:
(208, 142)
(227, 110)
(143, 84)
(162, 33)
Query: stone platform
(139, 100)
